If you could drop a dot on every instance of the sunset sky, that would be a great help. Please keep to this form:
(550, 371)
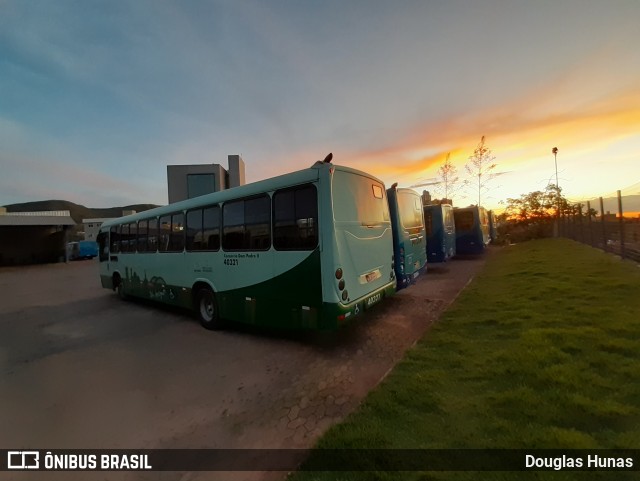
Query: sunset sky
(96, 98)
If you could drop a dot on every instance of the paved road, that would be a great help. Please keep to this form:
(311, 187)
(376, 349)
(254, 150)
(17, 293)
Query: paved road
(79, 368)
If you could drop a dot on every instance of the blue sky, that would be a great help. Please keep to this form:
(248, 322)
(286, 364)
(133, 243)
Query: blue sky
(96, 98)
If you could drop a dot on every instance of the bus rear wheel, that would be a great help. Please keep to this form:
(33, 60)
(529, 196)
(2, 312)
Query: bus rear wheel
(119, 287)
(207, 309)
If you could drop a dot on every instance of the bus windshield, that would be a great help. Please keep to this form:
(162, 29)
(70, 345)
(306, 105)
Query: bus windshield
(410, 210)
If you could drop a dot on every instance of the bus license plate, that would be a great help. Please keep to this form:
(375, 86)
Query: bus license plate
(415, 275)
(373, 300)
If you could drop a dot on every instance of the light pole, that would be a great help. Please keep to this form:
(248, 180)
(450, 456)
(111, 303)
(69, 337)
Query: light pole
(554, 151)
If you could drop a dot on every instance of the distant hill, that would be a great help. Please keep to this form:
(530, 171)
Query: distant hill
(78, 212)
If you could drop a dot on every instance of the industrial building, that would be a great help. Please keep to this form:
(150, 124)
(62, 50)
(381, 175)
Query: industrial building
(189, 181)
(91, 227)
(33, 237)
(41, 237)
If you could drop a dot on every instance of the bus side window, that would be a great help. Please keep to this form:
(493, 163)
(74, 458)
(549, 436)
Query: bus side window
(103, 246)
(211, 228)
(233, 225)
(133, 237)
(295, 218)
(152, 237)
(257, 215)
(142, 236)
(164, 231)
(124, 238)
(115, 240)
(247, 224)
(176, 241)
(194, 230)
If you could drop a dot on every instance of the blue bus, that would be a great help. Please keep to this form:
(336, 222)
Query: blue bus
(441, 232)
(472, 230)
(409, 237)
(82, 250)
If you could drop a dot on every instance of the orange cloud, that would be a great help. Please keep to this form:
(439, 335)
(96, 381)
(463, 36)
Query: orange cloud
(516, 133)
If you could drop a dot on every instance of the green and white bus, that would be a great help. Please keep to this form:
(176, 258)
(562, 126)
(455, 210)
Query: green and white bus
(309, 249)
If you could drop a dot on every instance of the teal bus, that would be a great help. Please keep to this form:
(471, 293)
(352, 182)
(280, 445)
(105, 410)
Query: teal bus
(472, 230)
(441, 232)
(409, 240)
(309, 249)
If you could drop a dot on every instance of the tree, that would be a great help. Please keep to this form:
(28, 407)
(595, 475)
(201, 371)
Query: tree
(539, 206)
(448, 179)
(481, 166)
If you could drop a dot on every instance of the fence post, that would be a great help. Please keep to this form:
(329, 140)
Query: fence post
(580, 222)
(622, 252)
(604, 230)
(589, 223)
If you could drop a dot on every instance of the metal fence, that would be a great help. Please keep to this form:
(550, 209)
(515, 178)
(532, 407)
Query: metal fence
(610, 231)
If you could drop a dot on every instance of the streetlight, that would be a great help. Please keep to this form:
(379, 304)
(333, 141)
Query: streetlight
(554, 151)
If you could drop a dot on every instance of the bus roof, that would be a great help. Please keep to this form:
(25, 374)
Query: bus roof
(293, 178)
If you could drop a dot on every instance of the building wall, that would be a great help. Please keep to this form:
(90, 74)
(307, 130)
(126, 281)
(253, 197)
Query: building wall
(178, 175)
(91, 228)
(236, 171)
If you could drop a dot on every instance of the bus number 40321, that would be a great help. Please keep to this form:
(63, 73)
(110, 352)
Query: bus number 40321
(373, 299)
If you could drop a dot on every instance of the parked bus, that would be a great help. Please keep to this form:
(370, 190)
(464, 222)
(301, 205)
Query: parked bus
(409, 239)
(472, 229)
(493, 226)
(82, 250)
(308, 249)
(441, 232)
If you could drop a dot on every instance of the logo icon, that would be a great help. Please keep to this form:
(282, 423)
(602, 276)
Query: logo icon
(23, 460)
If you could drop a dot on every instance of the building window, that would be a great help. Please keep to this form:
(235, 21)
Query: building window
(200, 184)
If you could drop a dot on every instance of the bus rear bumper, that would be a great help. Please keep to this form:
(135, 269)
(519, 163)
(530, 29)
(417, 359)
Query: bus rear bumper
(340, 314)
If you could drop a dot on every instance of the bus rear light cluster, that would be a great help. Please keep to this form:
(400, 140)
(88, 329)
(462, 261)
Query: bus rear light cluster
(341, 284)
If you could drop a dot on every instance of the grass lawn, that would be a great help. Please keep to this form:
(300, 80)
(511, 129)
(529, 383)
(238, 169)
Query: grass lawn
(541, 350)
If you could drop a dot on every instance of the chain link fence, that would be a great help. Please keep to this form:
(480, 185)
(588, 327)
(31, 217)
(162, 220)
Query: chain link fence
(612, 231)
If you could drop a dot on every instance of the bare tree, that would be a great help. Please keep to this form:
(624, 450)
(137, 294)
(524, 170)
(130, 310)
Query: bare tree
(447, 183)
(448, 176)
(481, 166)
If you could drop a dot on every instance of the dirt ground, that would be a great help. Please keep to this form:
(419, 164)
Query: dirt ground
(80, 368)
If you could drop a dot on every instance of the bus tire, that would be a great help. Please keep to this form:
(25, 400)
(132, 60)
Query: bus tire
(118, 286)
(206, 308)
